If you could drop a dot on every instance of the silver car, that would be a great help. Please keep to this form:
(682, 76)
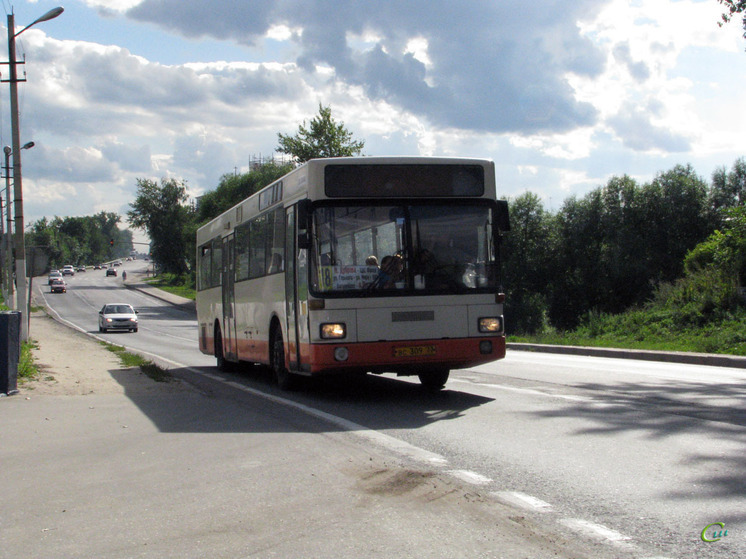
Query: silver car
(117, 316)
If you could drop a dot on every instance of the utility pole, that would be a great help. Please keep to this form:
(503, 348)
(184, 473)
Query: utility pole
(21, 294)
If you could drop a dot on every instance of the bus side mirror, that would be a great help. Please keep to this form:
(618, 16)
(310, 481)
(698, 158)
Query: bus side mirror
(304, 224)
(503, 220)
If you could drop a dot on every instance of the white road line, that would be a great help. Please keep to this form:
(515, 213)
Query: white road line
(529, 391)
(523, 501)
(470, 477)
(597, 531)
(391, 443)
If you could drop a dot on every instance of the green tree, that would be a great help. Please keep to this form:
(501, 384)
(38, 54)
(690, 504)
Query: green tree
(80, 240)
(161, 211)
(733, 7)
(527, 254)
(728, 189)
(323, 138)
(235, 188)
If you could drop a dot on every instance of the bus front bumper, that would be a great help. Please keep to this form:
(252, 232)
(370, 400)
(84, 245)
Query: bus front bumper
(406, 357)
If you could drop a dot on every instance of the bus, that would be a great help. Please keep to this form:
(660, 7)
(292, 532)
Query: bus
(357, 265)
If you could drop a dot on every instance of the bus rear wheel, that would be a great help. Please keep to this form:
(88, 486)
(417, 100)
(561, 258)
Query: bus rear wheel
(285, 379)
(434, 379)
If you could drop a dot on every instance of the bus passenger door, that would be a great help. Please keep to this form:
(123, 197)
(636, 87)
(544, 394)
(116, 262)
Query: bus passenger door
(230, 343)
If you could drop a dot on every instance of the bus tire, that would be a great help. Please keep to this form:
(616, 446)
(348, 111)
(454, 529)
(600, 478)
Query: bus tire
(285, 379)
(434, 379)
(223, 364)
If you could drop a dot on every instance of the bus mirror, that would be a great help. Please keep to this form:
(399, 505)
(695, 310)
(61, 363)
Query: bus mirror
(503, 221)
(304, 240)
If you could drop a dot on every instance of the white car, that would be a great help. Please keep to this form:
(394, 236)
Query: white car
(117, 316)
(68, 271)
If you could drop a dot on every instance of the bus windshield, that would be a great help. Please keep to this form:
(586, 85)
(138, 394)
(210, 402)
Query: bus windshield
(391, 249)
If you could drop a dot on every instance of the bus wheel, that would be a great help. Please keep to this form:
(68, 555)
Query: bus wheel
(434, 379)
(223, 365)
(285, 379)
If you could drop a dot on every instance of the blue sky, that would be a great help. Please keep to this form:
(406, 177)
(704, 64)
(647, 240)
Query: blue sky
(561, 95)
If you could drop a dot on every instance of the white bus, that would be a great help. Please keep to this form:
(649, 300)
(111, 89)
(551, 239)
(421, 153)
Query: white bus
(356, 265)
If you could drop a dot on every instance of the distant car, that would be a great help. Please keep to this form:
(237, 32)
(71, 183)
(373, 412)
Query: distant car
(80, 269)
(118, 263)
(111, 272)
(58, 286)
(117, 316)
(53, 275)
(68, 271)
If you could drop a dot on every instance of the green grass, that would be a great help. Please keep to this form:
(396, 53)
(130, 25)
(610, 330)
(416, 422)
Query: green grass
(658, 330)
(128, 359)
(183, 286)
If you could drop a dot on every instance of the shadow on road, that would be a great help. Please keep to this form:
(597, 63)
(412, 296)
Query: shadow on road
(659, 411)
(376, 402)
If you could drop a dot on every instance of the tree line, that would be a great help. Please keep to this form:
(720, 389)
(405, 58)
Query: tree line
(610, 250)
(86, 240)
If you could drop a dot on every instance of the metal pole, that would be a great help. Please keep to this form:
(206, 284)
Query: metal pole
(3, 279)
(21, 298)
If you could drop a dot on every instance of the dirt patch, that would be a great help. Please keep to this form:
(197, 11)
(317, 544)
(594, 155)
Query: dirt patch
(71, 363)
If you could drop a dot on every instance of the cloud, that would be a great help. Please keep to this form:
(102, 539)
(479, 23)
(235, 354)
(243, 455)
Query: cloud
(482, 55)
(634, 126)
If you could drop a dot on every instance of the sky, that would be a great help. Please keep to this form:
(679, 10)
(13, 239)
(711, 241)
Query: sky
(561, 95)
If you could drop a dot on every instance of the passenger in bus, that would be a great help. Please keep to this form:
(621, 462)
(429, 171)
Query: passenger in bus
(392, 272)
(371, 261)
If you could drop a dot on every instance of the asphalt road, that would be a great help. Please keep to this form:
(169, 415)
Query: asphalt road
(634, 457)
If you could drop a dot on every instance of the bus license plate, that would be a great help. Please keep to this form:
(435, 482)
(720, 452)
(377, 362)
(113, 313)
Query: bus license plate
(414, 351)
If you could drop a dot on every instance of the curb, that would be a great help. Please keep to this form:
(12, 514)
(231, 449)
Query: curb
(709, 359)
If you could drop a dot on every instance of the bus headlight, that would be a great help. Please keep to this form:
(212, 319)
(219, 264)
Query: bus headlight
(333, 331)
(491, 325)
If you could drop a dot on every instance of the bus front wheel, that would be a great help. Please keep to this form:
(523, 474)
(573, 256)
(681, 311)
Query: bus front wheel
(285, 379)
(434, 379)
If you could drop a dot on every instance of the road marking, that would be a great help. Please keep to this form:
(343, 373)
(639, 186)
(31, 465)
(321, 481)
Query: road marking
(400, 447)
(470, 477)
(597, 531)
(523, 501)
(529, 391)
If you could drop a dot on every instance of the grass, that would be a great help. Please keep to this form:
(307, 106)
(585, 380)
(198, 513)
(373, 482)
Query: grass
(183, 286)
(658, 330)
(128, 359)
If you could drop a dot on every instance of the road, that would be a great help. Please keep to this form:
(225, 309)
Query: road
(637, 456)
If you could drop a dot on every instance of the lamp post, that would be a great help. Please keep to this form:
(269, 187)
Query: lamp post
(8, 263)
(21, 297)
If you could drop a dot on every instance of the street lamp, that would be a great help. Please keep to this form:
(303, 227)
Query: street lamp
(21, 298)
(8, 264)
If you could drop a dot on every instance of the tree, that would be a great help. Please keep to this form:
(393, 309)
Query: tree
(236, 188)
(324, 138)
(161, 212)
(728, 189)
(527, 254)
(733, 7)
